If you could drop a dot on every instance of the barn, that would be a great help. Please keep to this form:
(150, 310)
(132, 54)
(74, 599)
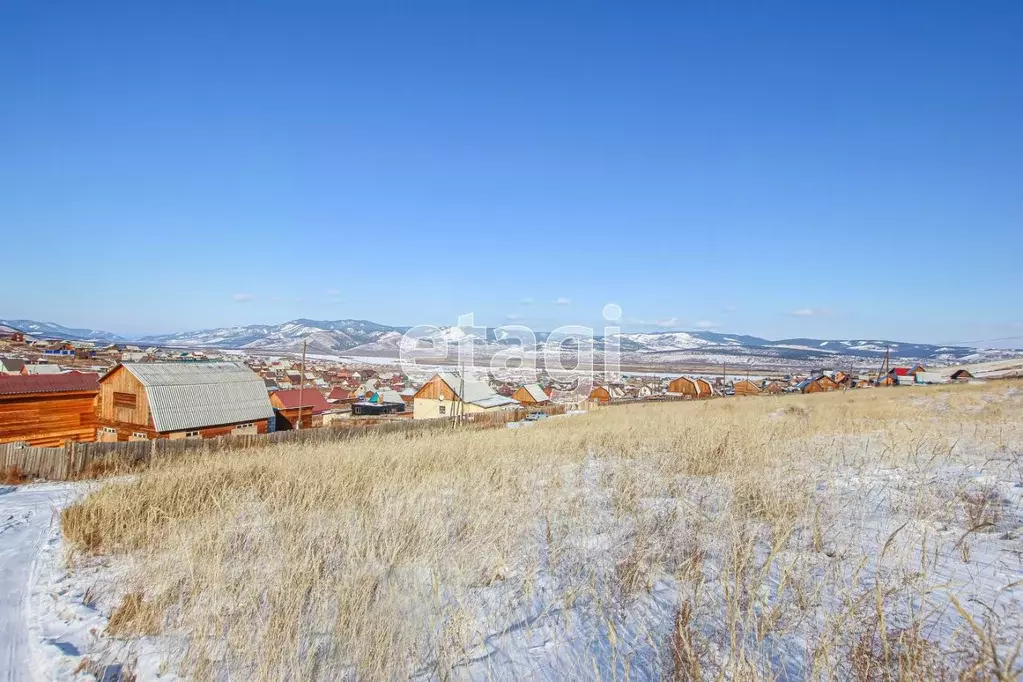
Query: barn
(48, 410)
(704, 388)
(182, 400)
(820, 384)
(602, 395)
(685, 386)
(745, 387)
(530, 394)
(774, 388)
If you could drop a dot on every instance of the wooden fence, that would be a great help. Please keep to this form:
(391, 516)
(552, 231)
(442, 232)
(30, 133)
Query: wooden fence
(87, 460)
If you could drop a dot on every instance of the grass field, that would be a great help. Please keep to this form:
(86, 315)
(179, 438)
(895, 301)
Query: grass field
(869, 535)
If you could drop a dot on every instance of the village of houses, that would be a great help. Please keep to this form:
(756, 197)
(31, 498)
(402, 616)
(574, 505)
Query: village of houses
(53, 392)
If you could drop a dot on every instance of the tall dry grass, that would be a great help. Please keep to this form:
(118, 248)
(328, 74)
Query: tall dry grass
(747, 539)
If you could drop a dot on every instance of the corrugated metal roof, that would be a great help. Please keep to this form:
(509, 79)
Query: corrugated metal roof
(311, 398)
(472, 391)
(43, 369)
(536, 393)
(493, 401)
(12, 365)
(186, 396)
(388, 396)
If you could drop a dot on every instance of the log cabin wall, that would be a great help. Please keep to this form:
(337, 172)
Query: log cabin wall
(123, 401)
(48, 419)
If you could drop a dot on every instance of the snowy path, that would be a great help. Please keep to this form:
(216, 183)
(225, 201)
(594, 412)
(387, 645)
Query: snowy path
(26, 515)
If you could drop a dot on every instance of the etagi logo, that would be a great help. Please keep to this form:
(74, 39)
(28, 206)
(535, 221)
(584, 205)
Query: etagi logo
(568, 354)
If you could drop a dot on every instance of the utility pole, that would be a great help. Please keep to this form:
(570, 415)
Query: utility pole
(461, 394)
(301, 387)
(885, 364)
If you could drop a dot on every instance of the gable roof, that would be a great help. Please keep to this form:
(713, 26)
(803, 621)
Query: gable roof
(901, 371)
(536, 393)
(12, 364)
(310, 398)
(338, 393)
(474, 392)
(195, 395)
(387, 396)
(16, 384)
(43, 369)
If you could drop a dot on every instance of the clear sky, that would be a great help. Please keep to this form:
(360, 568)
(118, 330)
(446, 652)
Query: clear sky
(779, 169)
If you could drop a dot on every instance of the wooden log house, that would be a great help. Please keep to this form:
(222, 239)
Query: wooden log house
(531, 394)
(287, 406)
(745, 387)
(143, 401)
(48, 410)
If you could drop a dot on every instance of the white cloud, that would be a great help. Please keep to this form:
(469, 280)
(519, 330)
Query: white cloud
(527, 301)
(808, 312)
(561, 300)
(728, 309)
(243, 298)
(513, 317)
(667, 322)
(705, 324)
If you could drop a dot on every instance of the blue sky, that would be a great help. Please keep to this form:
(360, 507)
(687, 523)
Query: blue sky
(779, 169)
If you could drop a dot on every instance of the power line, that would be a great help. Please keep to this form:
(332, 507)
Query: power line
(964, 343)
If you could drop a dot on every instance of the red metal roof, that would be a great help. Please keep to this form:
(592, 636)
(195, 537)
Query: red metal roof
(311, 397)
(48, 383)
(901, 371)
(338, 393)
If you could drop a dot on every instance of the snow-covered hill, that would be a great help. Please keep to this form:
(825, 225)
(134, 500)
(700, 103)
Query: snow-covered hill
(52, 330)
(362, 337)
(335, 336)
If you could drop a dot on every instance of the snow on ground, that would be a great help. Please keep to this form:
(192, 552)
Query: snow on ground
(930, 538)
(26, 522)
(51, 620)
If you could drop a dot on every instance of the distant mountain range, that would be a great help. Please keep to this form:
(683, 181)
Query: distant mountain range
(361, 337)
(51, 330)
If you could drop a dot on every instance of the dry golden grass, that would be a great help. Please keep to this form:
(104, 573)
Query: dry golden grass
(397, 556)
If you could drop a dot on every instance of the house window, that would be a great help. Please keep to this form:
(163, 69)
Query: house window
(124, 400)
(443, 409)
(192, 434)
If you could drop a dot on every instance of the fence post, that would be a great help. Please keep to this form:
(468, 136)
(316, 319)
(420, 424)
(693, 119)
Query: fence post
(69, 459)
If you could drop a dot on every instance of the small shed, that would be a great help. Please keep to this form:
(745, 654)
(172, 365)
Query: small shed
(600, 395)
(746, 387)
(531, 394)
